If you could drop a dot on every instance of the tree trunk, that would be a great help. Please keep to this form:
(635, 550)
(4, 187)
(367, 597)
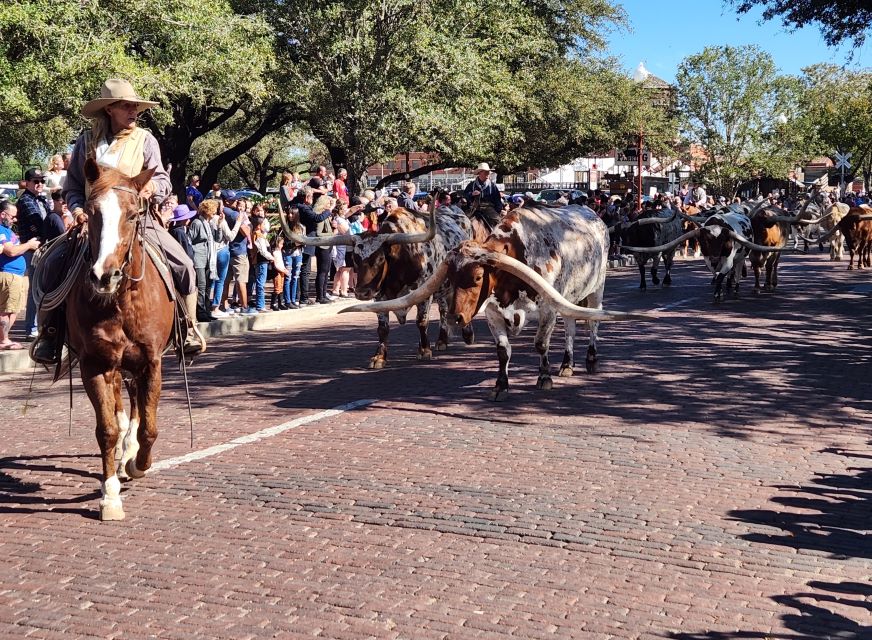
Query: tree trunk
(276, 117)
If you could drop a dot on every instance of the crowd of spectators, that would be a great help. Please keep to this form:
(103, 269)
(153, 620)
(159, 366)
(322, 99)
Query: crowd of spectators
(237, 252)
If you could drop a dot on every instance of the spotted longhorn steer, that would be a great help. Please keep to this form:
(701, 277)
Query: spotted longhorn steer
(725, 239)
(535, 261)
(396, 259)
(650, 230)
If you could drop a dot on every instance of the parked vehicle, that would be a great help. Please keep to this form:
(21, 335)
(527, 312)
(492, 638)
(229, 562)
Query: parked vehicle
(552, 195)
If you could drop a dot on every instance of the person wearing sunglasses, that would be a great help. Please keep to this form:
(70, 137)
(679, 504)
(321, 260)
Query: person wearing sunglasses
(33, 208)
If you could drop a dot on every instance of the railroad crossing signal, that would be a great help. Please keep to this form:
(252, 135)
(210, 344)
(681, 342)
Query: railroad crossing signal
(842, 160)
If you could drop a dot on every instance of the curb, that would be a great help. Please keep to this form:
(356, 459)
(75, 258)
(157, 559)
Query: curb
(14, 361)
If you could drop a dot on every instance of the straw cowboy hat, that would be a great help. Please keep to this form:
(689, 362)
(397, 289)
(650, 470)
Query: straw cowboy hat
(115, 90)
(484, 166)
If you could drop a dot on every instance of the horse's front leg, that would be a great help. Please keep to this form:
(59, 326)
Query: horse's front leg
(130, 444)
(148, 385)
(99, 385)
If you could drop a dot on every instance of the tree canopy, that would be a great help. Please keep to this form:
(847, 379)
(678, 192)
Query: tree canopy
(839, 20)
(731, 101)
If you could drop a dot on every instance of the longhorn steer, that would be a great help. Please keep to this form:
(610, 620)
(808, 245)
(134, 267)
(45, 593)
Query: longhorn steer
(771, 228)
(651, 230)
(396, 259)
(535, 261)
(835, 212)
(725, 239)
(856, 226)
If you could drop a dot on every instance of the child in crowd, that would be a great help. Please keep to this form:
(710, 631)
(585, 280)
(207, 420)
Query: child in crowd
(293, 257)
(341, 258)
(263, 260)
(281, 272)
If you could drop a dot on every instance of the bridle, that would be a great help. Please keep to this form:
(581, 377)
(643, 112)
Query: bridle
(139, 231)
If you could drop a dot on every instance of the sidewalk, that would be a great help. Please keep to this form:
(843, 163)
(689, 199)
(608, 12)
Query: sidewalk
(231, 325)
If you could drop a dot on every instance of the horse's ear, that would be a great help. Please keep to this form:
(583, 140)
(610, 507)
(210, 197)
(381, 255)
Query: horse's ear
(142, 179)
(92, 170)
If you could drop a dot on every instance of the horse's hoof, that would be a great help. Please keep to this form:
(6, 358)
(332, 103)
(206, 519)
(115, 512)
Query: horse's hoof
(655, 281)
(441, 346)
(377, 363)
(756, 291)
(498, 395)
(667, 282)
(468, 334)
(591, 365)
(544, 383)
(131, 470)
(565, 372)
(111, 511)
(425, 354)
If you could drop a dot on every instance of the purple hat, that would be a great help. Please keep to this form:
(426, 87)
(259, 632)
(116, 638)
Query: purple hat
(183, 212)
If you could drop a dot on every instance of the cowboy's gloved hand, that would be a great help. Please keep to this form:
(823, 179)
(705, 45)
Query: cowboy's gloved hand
(79, 215)
(147, 191)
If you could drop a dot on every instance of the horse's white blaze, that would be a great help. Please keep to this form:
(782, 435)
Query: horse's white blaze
(110, 211)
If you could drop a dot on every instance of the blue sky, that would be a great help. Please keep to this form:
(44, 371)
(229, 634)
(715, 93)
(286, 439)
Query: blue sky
(664, 33)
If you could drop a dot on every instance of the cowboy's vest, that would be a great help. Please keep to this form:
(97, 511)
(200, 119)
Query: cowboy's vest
(126, 156)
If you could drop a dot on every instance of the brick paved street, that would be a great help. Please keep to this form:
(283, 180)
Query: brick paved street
(712, 482)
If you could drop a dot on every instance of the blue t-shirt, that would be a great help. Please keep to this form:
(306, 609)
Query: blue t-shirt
(194, 194)
(239, 245)
(15, 265)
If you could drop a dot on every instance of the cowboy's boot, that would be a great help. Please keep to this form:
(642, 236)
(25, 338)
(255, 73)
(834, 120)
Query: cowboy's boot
(44, 349)
(195, 343)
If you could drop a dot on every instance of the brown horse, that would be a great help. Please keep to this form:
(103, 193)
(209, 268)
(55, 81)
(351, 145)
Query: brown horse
(119, 319)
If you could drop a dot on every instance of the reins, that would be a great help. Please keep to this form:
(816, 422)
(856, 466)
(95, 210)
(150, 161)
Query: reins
(139, 232)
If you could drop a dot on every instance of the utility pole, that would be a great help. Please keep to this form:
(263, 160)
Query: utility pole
(639, 172)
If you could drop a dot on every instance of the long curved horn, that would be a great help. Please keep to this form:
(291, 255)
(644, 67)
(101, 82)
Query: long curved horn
(821, 238)
(697, 220)
(409, 238)
(755, 247)
(563, 306)
(427, 289)
(326, 241)
(867, 216)
(664, 247)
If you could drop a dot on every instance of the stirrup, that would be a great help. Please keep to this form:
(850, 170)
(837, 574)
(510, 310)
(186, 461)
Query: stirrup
(44, 349)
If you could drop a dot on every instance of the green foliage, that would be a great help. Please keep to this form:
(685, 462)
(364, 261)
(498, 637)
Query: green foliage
(730, 101)
(836, 113)
(838, 20)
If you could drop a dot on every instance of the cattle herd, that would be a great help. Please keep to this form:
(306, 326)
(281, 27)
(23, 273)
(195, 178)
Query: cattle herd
(540, 262)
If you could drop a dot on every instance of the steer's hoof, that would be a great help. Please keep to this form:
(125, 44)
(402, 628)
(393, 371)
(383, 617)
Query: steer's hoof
(565, 372)
(441, 346)
(111, 511)
(425, 354)
(131, 470)
(499, 394)
(655, 280)
(468, 334)
(377, 363)
(544, 383)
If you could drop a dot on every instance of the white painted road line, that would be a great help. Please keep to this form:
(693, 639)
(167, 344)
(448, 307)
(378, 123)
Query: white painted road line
(672, 305)
(257, 436)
